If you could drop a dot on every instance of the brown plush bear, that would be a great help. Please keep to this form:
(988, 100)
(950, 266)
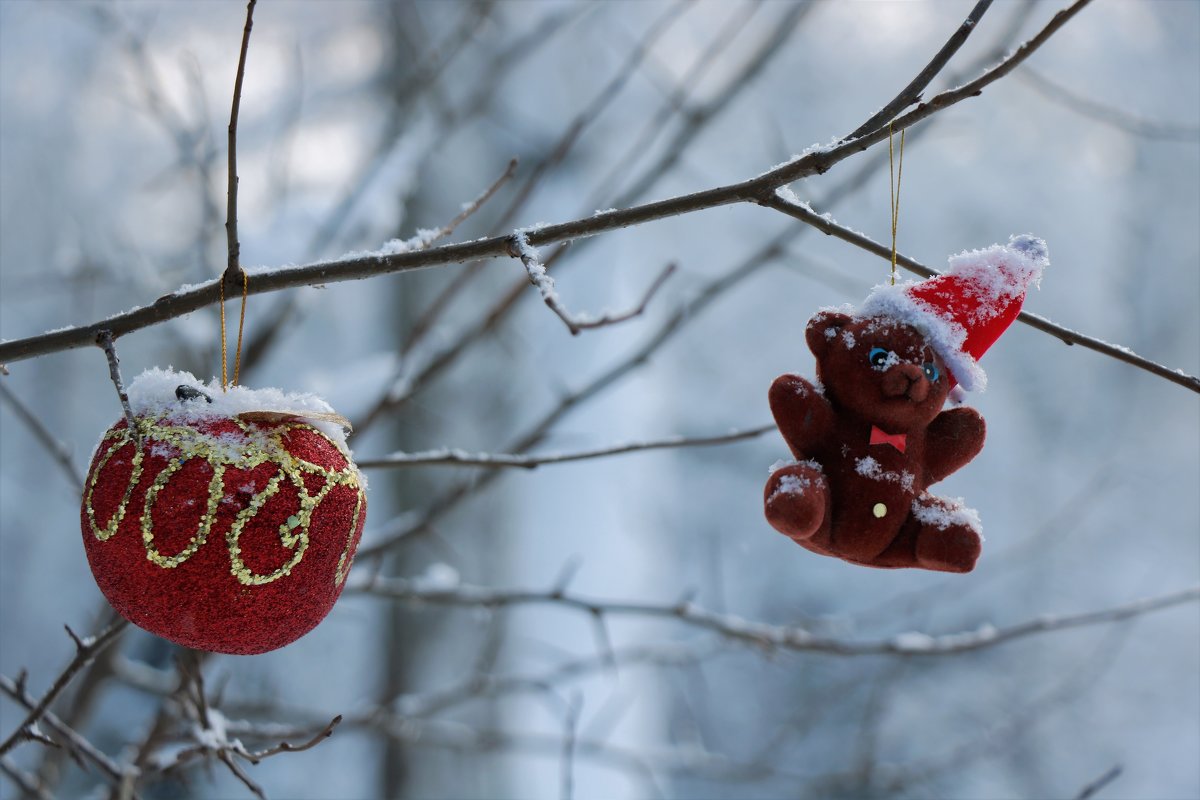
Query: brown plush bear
(872, 436)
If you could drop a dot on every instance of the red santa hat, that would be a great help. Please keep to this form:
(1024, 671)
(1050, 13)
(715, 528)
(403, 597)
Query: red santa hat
(964, 310)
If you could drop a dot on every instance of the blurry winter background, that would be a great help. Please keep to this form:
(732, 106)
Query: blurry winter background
(362, 122)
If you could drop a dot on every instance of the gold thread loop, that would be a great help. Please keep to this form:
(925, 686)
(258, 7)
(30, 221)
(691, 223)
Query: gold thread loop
(221, 305)
(895, 173)
(237, 358)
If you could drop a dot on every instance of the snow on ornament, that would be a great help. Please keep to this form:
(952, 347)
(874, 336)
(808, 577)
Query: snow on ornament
(871, 436)
(229, 520)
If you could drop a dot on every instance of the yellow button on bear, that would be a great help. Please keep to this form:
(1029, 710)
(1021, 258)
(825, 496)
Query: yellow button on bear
(880, 511)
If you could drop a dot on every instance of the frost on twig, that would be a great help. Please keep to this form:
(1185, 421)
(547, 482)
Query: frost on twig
(427, 237)
(105, 340)
(786, 201)
(210, 732)
(519, 247)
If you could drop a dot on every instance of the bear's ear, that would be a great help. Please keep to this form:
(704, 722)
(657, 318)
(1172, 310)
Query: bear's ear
(822, 329)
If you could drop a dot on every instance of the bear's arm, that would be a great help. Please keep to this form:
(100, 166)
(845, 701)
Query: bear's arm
(951, 440)
(803, 415)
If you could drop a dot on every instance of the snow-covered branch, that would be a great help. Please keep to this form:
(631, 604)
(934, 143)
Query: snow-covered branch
(759, 189)
(575, 322)
(105, 340)
(782, 201)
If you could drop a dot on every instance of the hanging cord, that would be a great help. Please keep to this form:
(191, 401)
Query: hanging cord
(895, 173)
(237, 357)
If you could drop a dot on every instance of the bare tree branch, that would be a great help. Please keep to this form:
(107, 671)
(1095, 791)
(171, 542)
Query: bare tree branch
(459, 458)
(85, 651)
(288, 747)
(826, 224)
(570, 730)
(686, 313)
(912, 93)
(764, 635)
(52, 444)
(1110, 775)
(557, 153)
(76, 743)
(27, 783)
(758, 189)
(1115, 116)
(233, 267)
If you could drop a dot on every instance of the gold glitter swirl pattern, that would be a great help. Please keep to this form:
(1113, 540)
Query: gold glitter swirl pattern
(223, 451)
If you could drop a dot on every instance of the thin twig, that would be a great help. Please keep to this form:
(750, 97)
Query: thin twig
(557, 153)
(473, 206)
(240, 774)
(105, 340)
(575, 322)
(1095, 786)
(765, 635)
(1109, 115)
(570, 731)
(754, 190)
(85, 651)
(53, 445)
(697, 117)
(826, 224)
(912, 93)
(233, 265)
(459, 458)
(288, 747)
(75, 742)
(27, 783)
(686, 313)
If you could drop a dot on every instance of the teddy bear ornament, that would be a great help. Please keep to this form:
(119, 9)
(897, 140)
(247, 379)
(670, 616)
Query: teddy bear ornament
(871, 436)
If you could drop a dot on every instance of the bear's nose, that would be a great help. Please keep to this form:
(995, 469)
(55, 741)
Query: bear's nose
(905, 380)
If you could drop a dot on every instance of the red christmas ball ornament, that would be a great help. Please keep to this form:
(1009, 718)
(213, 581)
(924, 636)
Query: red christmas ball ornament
(228, 520)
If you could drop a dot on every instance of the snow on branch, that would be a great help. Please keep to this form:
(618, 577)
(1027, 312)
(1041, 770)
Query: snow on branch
(764, 635)
(105, 340)
(461, 458)
(210, 732)
(912, 92)
(786, 202)
(539, 277)
(755, 190)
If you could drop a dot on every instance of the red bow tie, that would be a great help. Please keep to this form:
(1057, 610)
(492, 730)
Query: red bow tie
(896, 440)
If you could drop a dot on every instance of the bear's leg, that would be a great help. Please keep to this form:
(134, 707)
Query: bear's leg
(796, 500)
(948, 538)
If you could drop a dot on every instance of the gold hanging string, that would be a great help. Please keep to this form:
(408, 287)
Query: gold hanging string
(237, 357)
(895, 173)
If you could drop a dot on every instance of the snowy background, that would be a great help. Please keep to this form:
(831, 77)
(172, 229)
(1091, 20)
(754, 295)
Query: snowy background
(362, 122)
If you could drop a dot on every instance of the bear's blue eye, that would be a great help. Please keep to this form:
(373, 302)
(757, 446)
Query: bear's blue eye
(878, 356)
(931, 371)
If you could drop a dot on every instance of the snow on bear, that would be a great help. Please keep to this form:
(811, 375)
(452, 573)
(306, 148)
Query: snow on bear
(872, 436)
